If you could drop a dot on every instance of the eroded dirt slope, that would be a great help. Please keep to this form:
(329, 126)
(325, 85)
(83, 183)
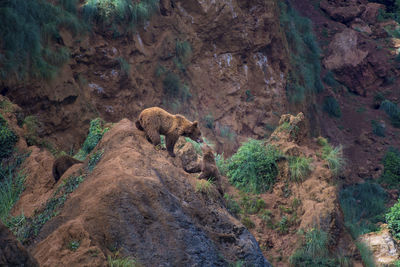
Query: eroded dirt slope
(139, 201)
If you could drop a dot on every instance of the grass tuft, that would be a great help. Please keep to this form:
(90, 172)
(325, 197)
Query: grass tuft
(96, 132)
(299, 168)
(8, 139)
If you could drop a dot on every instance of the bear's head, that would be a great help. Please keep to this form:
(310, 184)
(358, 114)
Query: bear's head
(208, 153)
(193, 132)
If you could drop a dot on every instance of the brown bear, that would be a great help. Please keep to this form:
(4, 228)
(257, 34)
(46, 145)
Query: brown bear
(209, 169)
(62, 164)
(155, 121)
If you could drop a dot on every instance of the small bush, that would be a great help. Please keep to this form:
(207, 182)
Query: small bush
(183, 51)
(314, 251)
(299, 168)
(204, 186)
(252, 205)
(377, 128)
(124, 66)
(266, 217)
(283, 225)
(209, 121)
(253, 167)
(172, 84)
(331, 106)
(96, 132)
(334, 158)
(393, 219)
(393, 111)
(74, 245)
(8, 139)
(363, 205)
(391, 171)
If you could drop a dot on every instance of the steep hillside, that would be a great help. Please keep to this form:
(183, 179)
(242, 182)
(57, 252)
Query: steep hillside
(223, 62)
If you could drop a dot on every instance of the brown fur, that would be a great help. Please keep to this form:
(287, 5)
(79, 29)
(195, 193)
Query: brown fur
(209, 168)
(62, 164)
(155, 121)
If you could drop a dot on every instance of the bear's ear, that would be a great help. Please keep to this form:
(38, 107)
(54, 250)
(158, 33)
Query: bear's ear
(195, 123)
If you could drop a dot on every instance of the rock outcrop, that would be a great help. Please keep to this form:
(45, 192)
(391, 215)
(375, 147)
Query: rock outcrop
(139, 203)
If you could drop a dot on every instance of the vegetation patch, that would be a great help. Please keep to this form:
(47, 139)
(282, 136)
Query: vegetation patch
(8, 139)
(253, 167)
(333, 156)
(117, 261)
(96, 131)
(122, 16)
(94, 159)
(331, 106)
(304, 77)
(393, 111)
(30, 30)
(299, 168)
(393, 219)
(30, 227)
(314, 250)
(391, 171)
(11, 185)
(378, 128)
(74, 245)
(363, 206)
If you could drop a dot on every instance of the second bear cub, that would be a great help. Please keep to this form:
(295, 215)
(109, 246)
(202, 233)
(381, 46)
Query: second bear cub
(155, 121)
(209, 169)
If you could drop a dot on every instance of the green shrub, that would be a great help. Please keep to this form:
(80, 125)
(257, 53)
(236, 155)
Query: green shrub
(391, 170)
(393, 111)
(283, 225)
(29, 30)
(299, 168)
(252, 205)
(253, 167)
(334, 158)
(266, 217)
(74, 245)
(96, 132)
(377, 128)
(11, 185)
(8, 139)
(363, 205)
(172, 84)
(124, 66)
(331, 106)
(314, 251)
(304, 76)
(393, 219)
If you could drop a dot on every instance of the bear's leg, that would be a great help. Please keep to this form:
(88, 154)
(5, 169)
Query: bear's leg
(170, 141)
(154, 137)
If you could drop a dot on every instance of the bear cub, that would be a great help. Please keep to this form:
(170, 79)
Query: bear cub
(209, 169)
(62, 164)
(155, 121)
